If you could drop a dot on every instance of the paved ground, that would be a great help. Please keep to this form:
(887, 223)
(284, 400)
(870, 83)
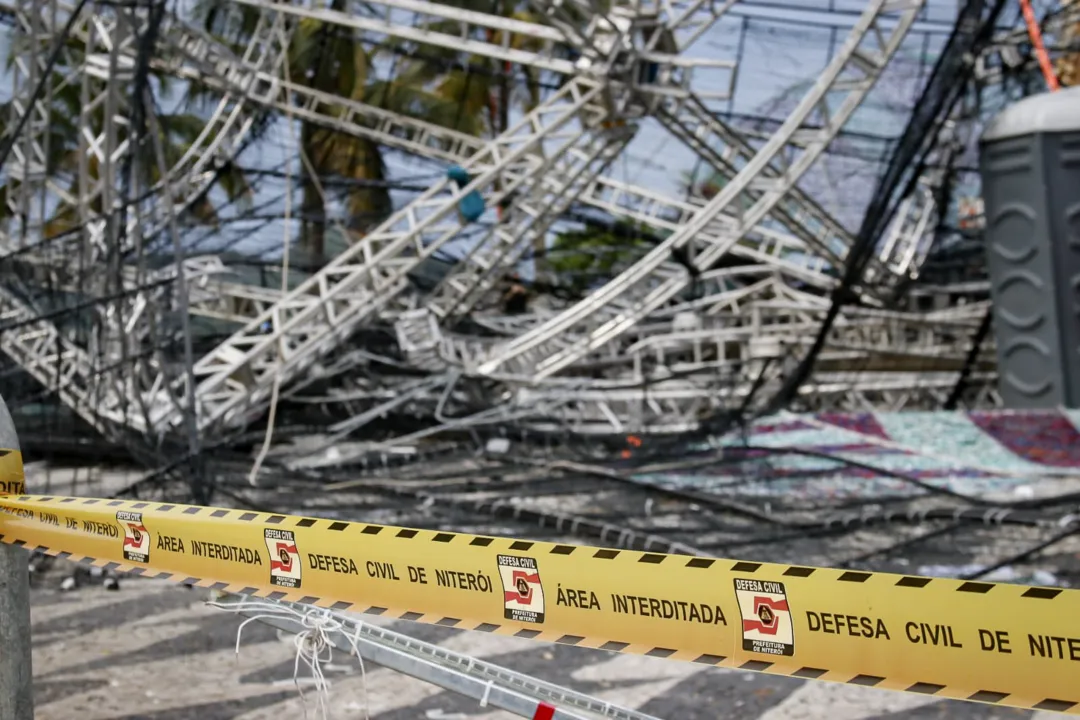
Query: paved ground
(154, 651)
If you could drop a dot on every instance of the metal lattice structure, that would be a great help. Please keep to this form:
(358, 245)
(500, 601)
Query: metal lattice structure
(711, 317)
(390, 354)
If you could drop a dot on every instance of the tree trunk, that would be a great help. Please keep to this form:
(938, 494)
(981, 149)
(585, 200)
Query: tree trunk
(313, 226)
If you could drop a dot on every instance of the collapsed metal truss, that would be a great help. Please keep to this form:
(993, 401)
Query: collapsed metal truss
(733, 290)
(489, 684)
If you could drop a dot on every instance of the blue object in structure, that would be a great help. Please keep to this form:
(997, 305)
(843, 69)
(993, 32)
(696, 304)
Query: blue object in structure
(652, 72)
(459, 175)
(472, 206)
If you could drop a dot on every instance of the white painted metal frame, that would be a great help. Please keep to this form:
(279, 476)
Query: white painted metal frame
(323, 310)
(801, 139)
(545, 162)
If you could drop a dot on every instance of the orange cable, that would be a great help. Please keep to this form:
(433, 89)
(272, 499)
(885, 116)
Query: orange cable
(1040, 49)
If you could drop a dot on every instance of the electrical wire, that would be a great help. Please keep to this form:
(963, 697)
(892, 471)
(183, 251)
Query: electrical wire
(953, 70)
(970, 361)
(43, 82)
(1043, 58)
(742, 412)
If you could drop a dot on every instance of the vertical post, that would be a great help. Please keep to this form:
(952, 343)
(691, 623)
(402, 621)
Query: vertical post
(16, 679)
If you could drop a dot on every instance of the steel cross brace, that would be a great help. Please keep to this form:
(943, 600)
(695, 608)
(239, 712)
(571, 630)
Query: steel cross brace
(321, 311)
(101, 395)
(624, 301)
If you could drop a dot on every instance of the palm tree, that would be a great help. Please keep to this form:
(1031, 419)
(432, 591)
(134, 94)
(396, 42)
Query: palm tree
(72, 301)
(580, 259)
(470, 94)
(330, 59)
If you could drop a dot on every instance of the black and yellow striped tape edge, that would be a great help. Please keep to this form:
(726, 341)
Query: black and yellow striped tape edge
(806, 673)
(992, 592)
(12, 479)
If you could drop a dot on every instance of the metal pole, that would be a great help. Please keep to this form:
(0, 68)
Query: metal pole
(16, 678)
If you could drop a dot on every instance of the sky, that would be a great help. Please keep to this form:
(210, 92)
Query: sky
(784, 46)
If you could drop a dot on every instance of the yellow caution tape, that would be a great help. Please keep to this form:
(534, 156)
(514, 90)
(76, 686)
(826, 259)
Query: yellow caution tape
(986, 642)
(11, 472)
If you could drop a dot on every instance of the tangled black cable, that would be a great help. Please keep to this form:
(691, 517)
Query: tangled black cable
(43, 82)
(973, 31)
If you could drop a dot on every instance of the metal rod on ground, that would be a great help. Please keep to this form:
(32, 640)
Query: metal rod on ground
(16, 678)
(492, 685)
